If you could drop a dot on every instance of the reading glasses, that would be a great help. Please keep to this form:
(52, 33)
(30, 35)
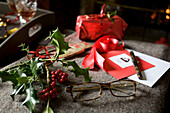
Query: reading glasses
(93, 90)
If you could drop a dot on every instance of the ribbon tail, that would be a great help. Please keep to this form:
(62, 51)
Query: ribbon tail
(93, 58)
(89, 59)
(99, 60)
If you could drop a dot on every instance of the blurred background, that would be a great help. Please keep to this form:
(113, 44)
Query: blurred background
(147, 21)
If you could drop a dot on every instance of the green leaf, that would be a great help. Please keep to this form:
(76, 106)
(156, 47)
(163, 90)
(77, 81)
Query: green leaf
(48, 109)
(22, 80)
(31, 99)
(113, 13)
(35, 66)
(109, 15)
(58, 41)
(79, 71)
(24, 48)
(17, 90)
(9, 77)
(24, 69)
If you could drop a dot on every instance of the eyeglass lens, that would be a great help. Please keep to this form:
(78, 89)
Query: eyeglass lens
(86, 91)
(122, 88)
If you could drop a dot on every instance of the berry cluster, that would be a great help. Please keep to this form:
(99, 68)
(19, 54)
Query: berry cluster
(51, 91)
(48, 92)
(59, 76)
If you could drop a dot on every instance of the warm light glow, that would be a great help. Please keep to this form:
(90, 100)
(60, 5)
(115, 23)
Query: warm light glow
(168, 11)
(167, 17)
(153, 16)
(1, 23)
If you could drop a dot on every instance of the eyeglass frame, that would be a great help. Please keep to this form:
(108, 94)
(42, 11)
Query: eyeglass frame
(69, 89)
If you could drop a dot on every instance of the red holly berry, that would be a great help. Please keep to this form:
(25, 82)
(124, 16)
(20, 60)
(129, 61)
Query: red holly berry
(47, 89)
(66, 74)
(58, 78)
(58, 72)
(53, 84)
(53, 76)
(61, 80)
(41, 92)
(44, 90)
(55, 90)
(56, 93)
(51, 92)
(62, 77)
(53, 96)
(53, 79)
(46, 94)
(65, 78)
(43, 97)
(52, 72)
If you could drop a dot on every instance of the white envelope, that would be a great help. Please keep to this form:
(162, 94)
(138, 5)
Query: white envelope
(153, 74)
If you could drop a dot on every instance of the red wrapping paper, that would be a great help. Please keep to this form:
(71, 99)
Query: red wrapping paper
(94, 26)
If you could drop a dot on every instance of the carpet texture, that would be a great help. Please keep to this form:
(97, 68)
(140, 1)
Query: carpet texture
(147, 100)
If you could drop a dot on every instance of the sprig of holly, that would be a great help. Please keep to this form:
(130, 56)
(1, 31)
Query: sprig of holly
(109, 15)
(26, 73)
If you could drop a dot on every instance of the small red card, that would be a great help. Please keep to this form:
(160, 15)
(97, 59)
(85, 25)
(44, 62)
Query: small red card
(118, 64)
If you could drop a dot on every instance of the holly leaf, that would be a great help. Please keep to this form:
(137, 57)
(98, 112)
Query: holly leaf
(17, 90)
(31, 99)
(35, 66)
(24, 48)
(79, 71)
(17, 77)
(24, 69)
(22, 80)
(113, 13)
(109, 15)
(9, 77)
(58, 41)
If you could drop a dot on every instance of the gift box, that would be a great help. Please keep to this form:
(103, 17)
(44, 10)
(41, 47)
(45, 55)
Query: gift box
(93, 26)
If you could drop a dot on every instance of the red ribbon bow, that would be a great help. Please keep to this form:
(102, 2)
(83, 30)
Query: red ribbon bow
(102, 45)
(98, 16)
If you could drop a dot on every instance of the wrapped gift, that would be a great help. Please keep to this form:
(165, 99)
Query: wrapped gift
(91, 27)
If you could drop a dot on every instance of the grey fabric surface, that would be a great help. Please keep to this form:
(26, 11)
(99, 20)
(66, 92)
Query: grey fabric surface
(147, 100)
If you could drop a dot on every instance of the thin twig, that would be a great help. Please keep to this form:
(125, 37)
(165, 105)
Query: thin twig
(48, 75)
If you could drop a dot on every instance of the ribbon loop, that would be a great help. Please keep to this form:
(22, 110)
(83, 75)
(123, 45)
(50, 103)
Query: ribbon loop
(103, 9)
(102, 45)
(108, 43)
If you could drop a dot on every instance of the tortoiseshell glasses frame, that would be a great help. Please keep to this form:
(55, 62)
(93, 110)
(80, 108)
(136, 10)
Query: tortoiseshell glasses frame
(93, 90)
